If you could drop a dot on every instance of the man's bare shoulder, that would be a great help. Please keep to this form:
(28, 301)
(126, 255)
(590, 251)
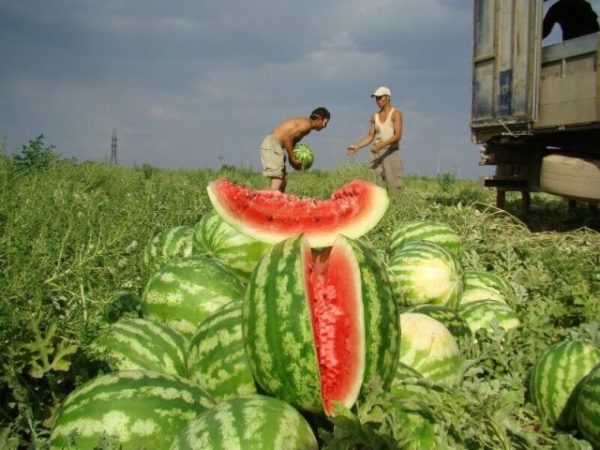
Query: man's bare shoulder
(292, 126)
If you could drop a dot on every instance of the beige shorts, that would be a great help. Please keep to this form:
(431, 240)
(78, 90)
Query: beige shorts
(273, 157)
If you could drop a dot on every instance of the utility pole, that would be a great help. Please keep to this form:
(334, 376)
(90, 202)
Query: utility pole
(221, 158)
(439, 159)
(113, 149)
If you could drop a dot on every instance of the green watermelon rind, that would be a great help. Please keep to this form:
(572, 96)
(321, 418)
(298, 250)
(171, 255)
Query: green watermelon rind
(215, 238)
(217, 359)
(143, 344)
(554, 380)
(426, 230)
(587, 408)
(253, 422)
(422, 272)
(136, 409)
(187, 290)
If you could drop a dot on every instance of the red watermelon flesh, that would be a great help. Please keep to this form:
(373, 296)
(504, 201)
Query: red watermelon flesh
(337, 319)
(271, 216)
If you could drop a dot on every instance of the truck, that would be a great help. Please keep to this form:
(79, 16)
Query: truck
(535, 109)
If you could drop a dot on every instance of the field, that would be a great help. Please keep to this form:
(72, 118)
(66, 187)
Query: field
(72, 238)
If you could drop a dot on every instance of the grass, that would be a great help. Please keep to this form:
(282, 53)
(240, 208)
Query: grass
(72, 237)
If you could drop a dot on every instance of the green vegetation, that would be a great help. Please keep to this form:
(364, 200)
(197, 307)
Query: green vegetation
(72, 240)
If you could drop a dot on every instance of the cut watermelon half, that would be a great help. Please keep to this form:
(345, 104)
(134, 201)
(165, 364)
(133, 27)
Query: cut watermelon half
(271, 216)
(333, 287)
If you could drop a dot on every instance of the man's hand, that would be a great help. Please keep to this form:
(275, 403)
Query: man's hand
(351, 150)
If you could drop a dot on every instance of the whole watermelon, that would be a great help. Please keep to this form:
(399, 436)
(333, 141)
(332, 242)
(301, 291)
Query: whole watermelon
(167, 245)
(555, 380)
(587, 409)
(254, 422)
(216, 358)
(423, 272)
(305, 154)
(215, 238)
(425, 230)
(187, 290)
(130, 344)
(320, 325)
(131, 410)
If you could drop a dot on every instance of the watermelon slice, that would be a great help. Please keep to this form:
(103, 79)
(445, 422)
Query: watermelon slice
(272, 216)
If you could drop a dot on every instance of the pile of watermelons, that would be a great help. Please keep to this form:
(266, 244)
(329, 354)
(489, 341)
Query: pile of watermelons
(273, 313)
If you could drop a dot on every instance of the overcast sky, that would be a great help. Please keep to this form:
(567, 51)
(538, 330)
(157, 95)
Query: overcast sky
(184, 82)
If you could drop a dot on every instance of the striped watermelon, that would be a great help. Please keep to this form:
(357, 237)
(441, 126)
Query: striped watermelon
(165, 246)
(410, 414)
(143, 344)
(187, 290)
(429, 348)
(305, 154)
(555, 380)
(271, 216)
(215, 238)
(587, 409)
(482, 285)
(489, 313)
(134, 409)
(436, 232)
(456, 325)
(423, 272)
(318, 326)
(253, 422)
(217, 359)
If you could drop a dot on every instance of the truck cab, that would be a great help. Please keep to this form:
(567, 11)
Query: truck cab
(535, 109)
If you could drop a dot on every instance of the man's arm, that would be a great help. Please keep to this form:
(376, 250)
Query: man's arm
(352, 149)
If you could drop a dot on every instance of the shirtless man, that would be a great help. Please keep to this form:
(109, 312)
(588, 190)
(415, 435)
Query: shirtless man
(280, 144)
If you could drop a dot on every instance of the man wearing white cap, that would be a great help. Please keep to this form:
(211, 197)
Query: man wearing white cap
(386, 131)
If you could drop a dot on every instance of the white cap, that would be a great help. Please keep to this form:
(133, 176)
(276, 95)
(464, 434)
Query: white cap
(381, 90)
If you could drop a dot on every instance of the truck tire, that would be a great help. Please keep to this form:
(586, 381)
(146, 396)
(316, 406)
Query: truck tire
(571, 177)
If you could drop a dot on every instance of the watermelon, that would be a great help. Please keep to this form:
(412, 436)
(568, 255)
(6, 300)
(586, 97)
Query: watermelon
(456, 325)
(482, 285)
(422, 272)
(436, 232)
(143, 344)
(587, 408)
(304, 154)
(187, 290)
(217, 359)
(320, 325)
(272, 216)
(165, 246)
(555, 380)
(489, 313)
(215, 238)
(429, 348)
(253, 422)
(134, 409)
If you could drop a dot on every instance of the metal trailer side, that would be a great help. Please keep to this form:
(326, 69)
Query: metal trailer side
(530, 102)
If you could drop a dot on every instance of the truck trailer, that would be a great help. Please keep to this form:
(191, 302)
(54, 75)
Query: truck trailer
(535, 110)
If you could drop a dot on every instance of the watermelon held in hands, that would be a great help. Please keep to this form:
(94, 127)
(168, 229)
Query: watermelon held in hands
(271, 216)
(305, 155)
(319, 326)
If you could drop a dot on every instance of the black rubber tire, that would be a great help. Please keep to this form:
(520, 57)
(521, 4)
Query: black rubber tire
(571, 177)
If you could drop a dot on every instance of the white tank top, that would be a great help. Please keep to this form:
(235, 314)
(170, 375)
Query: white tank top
(385, 130)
